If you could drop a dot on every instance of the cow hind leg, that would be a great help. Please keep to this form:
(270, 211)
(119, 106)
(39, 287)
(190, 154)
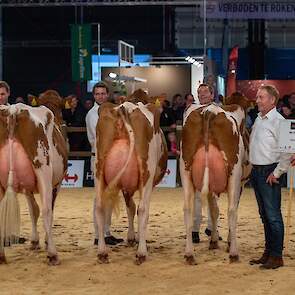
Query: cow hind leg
(2, 252)
(188, 210)
(130, 208)
(233, 201)
(214, 212)
(100, 211)
(143, 216)
(34, 213)
(45, 190)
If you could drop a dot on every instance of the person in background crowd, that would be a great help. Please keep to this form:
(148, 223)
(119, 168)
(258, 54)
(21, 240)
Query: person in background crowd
(75, 117)
(116, 97)
(100, 93)
(291, 105)
(206, 96)
(286, 111)
(20, 99)
(4, 93)
(220, 99)
(178, 107)
(167, 119)
(188, 99)
(251, 117)
(268, 165)
(291, 101)
(173, 143)
(88, 104)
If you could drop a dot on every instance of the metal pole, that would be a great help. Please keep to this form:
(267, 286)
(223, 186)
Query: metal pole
(205, 27)
(119, 60)
(98, 52)
(164, 29)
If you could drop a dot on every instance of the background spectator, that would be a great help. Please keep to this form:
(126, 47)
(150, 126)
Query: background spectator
(178, 107)
(189, 99)
(75, 117)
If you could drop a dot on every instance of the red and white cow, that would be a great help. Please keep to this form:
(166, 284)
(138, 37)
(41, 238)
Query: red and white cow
(33, 138)
(213, 156)
(131, 155)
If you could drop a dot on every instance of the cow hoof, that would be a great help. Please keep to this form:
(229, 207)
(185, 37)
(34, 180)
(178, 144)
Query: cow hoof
(131, 243)
(103, 258)
(190, 260)
(35, 245)
(53, 260)
(233, 258)
(3, 259)
(140, 259)
(213, 245)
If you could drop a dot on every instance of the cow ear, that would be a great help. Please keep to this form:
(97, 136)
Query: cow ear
(33, 100)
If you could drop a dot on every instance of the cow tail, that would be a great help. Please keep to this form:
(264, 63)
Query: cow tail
(205, 187)
(112, 190)
(9, 205)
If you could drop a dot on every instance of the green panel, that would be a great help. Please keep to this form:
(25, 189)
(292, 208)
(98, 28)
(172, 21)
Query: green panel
(81, 52)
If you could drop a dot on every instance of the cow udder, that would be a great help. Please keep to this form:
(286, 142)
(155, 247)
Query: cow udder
(24, 177)
(115, 160)
(217, 169)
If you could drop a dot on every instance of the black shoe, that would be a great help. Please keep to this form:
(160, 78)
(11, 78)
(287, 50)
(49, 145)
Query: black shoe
(272, 263)
(21, 240)
(262, 260)
(111, 240)
(196, 237)
(208, 233)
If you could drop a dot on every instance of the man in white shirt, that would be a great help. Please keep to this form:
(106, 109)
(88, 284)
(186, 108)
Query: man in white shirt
(268, 165)
(4, 93)
(100, 93)
(206, 96)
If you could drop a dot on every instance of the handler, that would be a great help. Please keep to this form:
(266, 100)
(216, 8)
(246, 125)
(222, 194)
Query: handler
(268, 165)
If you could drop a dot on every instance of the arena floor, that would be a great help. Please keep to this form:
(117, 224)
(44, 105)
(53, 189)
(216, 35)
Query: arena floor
(164, 272)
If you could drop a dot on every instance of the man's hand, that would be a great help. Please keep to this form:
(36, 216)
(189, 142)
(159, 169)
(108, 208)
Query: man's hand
(271, 179)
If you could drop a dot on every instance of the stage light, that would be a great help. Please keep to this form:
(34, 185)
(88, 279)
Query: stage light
(233, 71)
(187, 58)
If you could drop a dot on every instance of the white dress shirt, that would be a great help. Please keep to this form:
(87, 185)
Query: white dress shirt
(264, 142)
(91, 122)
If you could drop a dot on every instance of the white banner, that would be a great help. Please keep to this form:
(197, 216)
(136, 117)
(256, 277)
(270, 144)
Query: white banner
(74, 175)
(249, 10)
(287, 136)
(169, 179)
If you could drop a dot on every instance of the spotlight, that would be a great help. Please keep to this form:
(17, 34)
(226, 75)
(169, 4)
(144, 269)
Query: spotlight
(112, 75)
(187, 58)
(233, 71)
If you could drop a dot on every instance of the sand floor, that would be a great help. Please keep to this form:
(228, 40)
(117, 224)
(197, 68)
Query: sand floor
(164, 272)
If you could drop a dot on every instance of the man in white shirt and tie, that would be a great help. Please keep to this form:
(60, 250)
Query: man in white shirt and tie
(100, 93)
(268, 165)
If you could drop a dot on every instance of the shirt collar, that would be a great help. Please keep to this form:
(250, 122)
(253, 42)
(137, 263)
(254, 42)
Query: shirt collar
(269, 115)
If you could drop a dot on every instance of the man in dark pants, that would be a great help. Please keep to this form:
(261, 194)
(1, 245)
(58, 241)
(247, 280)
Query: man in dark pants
(268, 165)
